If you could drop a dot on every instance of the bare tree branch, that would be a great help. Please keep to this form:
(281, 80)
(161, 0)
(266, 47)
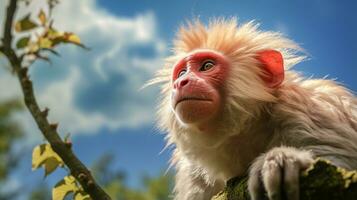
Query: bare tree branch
(77, 168)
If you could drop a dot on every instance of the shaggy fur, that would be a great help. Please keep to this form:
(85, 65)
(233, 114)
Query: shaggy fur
(312, 114)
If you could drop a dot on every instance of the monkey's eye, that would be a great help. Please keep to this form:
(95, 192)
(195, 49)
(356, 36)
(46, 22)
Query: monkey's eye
(182, 72)
(207, 65)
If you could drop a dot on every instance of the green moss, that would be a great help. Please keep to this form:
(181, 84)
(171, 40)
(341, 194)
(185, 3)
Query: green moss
(323, 181)
(236, 189)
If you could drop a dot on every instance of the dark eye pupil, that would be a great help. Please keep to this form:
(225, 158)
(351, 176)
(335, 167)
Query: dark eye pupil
(207, 65)
(181, 73)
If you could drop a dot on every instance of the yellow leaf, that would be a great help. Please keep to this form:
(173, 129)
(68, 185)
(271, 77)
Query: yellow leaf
(63, 37)
(45, 43)
(53, 33)
(64, 187)
(81, 195)
(18, 27)
(42, 17)
(44, 156)
(69, 179)
(73, 38)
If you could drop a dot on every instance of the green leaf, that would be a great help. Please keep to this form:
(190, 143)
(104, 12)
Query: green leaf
(81, 195)
(64, 187)
(25, 24)
(23, 42)
(44, 156)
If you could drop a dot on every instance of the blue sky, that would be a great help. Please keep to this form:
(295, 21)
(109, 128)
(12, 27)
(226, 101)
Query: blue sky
(95, 94)
(326, 29)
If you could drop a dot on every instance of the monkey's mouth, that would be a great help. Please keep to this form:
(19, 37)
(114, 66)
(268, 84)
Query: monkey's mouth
(183, 99)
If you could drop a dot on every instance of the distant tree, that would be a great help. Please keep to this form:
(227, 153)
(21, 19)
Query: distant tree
(10, 131)
(113, 181)
(41, 192)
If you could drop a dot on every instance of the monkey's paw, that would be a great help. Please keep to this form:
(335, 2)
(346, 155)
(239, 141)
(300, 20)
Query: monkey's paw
(277, 173)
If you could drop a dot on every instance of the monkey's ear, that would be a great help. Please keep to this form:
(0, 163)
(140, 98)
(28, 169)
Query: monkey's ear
(273, 63)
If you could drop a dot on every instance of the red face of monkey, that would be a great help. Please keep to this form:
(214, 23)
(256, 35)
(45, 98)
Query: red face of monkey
(199, 78)
(198, 86)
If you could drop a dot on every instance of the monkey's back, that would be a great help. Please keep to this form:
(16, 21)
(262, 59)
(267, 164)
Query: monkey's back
(320, 115)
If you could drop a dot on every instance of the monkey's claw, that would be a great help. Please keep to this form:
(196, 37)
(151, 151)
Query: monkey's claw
(277, 173)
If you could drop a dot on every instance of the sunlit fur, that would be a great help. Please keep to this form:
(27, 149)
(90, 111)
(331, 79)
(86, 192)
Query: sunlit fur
(316, 114)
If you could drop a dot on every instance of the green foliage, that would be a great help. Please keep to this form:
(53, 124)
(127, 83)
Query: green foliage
(10, 131)
(158, 188)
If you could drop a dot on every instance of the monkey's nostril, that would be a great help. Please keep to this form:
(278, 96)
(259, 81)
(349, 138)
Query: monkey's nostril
(183, 82)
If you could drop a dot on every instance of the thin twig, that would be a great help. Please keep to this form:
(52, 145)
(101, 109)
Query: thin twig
(8, 24)
(77, 168)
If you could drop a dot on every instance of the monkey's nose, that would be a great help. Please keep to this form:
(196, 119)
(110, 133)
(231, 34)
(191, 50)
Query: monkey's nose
(181, 83)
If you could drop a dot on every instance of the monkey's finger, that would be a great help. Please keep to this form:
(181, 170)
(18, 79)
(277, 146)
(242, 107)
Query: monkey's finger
(272, 175)
(291, 178)
(255, 186)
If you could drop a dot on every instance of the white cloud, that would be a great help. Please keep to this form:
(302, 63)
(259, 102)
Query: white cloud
(9, 85)
(86, 91)
(3, 5)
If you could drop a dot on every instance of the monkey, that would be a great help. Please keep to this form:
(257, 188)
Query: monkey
(231, 106)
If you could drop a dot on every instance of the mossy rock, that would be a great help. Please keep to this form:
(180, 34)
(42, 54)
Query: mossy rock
(323, 181)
